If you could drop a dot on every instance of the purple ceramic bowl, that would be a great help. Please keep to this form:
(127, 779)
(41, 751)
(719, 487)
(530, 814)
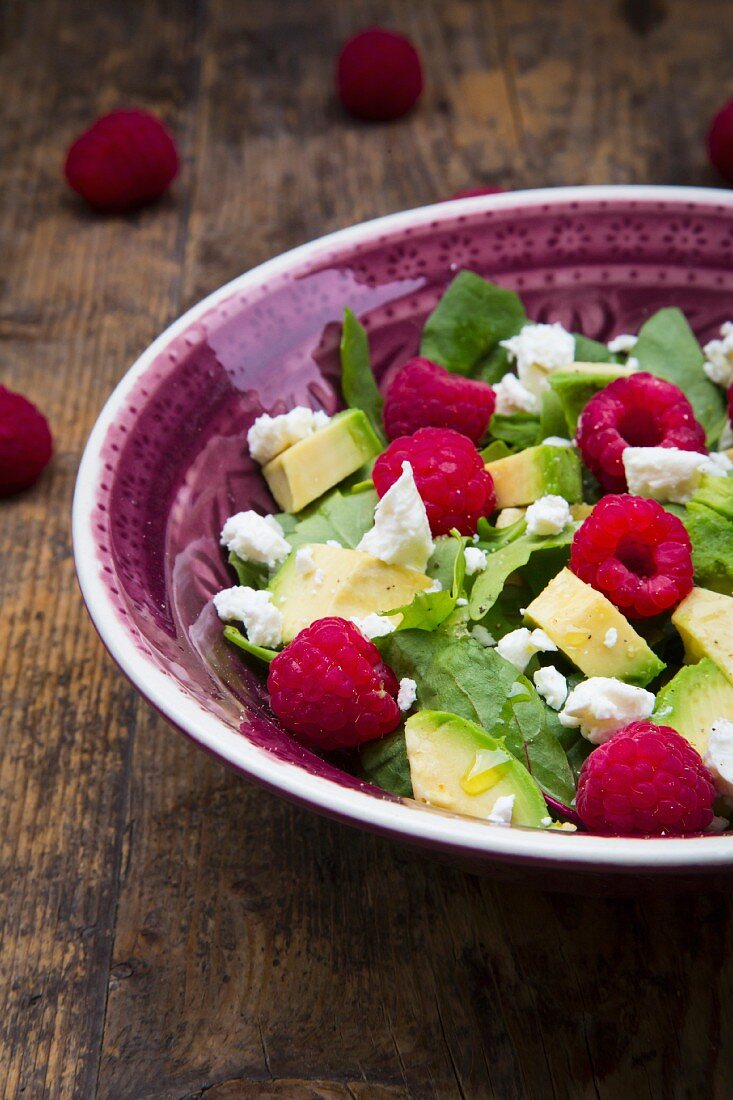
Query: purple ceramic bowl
(165, 464)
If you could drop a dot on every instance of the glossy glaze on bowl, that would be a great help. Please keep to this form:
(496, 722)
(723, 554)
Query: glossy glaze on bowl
(166, 464)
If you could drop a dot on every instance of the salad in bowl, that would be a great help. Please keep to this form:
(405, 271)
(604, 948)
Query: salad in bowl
(502, 584)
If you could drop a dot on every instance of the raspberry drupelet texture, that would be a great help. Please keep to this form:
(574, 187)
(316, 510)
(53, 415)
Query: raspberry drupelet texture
(124, 160)
(638, 411)
(25, 443)
(379, 76)
(450, 477)
(331, 688)
(646, 781)
(635, 553)
(424, 394)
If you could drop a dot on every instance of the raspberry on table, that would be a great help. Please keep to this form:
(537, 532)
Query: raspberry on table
(634, 552)
(379, 76)
(639, 411)
(124, 160)
(331, 688)
(424, 394)
(25, 443)
(450, 477)
(646, 781)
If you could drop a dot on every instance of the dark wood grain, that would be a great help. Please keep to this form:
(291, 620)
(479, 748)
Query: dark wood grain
(168, 930)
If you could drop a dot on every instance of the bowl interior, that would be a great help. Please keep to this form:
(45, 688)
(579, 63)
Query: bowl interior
(167, 464)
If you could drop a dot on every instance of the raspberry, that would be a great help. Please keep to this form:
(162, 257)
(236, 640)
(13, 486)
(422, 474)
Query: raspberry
(647, 780)
(450, 477)
(25, 443)
(124, 160)
(635, 553)
(720, 141)
(638, 411)
(378, 75)
(331, 688)
(424, 394)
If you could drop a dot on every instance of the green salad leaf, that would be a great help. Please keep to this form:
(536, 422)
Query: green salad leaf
(429, 609)
(552, 418)
(668, 348)
(235, 636)
(469, 321)
(249, 573)
(591, 351)
(358, 384)
(345, 517)
(493, 538)
(517, 429)
(507, 560)
(495, 450)
(384, 763)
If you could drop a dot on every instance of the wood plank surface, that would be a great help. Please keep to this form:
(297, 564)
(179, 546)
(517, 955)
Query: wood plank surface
(166, 929)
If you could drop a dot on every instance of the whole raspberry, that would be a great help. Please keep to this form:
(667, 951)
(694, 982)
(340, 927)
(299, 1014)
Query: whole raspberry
(450, 477)
(424, 394)
(646, 781)
(378, 75)
(25, 443)
(638, 411)
(124, 160)
(635, 553)
(331, 688)
(720, 141)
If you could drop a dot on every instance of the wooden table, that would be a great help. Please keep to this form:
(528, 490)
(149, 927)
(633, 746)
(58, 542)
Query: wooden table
(169, 930)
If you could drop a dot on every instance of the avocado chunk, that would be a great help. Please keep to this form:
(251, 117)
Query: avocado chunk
(576, 385)
(536, 472)
(704, 621)
(456, 765)
(581, 622)
(715, 493)
(693, 699)
(350, 584)
(314, 465)
(711, 535)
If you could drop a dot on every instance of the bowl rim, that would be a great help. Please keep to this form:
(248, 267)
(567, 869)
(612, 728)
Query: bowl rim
(401, 820)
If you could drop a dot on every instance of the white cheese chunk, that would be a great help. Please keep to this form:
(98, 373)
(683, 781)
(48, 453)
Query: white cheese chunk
(719, 363)
(669, 475)
(255, 538)
(719, 756)
(269, 436)
(602, 705)
(623, 343)
(475, 560)
(407, 694)
(401, 532)
(374, 626)
(548, 516)
(513, 397)
(538, 350)
(551, 685)
(501, 812)
(519, 646)
(610, 637)
(255, 610)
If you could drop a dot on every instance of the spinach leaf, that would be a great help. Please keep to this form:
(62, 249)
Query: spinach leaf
(517, 429)
(496, 450)
(343, 517)
(506, 613)
(429, 609)
(384, 763)
(668, 348)
(591, 351)
(232, 634)
(493, 538)
(526, 725)
(249, 573)
(552, 417)
(358, 384)
(505, 561)
(469, 321)
(492, 367)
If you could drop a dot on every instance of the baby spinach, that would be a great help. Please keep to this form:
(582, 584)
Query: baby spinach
(469, 321)
(507, 560)
(384, 763)
(235, 636)
(493, 538)
(249, 573)
(358, 384)
(495, 450)
(591, 351)
(668, 348)
(343, 517)
(517, 429)
(429, 609)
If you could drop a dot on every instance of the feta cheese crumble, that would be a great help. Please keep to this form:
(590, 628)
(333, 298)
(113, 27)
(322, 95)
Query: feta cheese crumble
(269, 436)
(719, 364)
(719, 756)
(407, 694)
(502, 810)
(304, 562)
(601, 705)
(552, 686)
(255, 538)
(726, 437)
(538, 350)
(623, 343)
(668, 474)
(374, 626)
(610, 637)
(401, 532)
(483, 636)
(334, 544)
(255, 610)
(519, 646)
(558, 441)
(548, 516)
(513, 397)
(476, 560)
